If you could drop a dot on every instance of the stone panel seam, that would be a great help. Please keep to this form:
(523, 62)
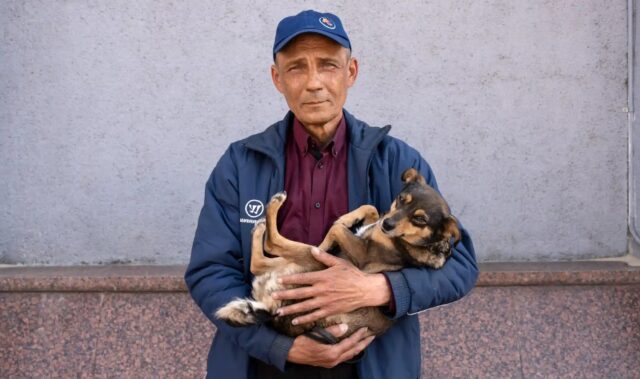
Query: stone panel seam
(98, 337)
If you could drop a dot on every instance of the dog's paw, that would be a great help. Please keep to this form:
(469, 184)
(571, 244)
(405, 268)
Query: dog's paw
(372, 215)
(348, 221)
(438, 261)
(279, 197)
(260, 226)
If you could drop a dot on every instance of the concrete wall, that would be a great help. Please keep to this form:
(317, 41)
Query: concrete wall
(113, 113)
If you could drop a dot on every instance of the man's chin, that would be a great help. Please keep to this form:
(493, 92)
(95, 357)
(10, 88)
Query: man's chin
(316, 118)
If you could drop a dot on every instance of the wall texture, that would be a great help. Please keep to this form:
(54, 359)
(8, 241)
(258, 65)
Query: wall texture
(113, 113)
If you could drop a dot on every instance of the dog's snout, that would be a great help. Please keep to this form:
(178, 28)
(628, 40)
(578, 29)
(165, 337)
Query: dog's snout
(388, 224)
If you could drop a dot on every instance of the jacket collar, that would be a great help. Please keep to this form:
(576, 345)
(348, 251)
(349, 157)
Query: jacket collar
(272, 141)
(363, 139)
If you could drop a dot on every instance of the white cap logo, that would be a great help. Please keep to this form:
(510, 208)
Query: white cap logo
(327, 23)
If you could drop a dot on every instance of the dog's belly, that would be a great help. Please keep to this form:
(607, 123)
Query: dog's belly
(266, 284)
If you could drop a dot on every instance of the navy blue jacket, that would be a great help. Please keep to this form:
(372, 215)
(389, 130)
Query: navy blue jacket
(246, 176)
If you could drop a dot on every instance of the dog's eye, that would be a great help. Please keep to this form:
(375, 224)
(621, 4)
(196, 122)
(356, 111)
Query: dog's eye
(420, 220)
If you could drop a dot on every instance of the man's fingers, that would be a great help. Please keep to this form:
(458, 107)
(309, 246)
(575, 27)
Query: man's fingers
(349, 343)
(305, 278)
(324, 257)
(347, 348)
(356, 343)
(313, 316)
(360, 346)
(296, 293)
(304, 306)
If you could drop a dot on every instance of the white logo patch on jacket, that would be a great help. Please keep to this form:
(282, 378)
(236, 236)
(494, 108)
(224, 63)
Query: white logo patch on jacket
(254, 209)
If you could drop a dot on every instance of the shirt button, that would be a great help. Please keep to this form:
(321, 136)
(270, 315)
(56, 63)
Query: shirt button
(317, 204)
(320, 165)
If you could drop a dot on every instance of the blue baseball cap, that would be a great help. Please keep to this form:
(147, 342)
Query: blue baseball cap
(326, 24)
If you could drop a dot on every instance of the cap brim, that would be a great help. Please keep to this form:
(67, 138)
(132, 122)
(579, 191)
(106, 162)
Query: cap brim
(342, 41)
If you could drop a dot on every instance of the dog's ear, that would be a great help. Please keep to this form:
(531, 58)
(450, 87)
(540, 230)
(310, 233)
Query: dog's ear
(451, 229)
(412, 175)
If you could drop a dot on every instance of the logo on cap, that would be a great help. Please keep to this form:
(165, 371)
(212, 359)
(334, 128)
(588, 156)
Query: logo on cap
(327, 23)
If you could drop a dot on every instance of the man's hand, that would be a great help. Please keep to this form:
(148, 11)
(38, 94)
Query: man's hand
(309, 352)
(340, 288)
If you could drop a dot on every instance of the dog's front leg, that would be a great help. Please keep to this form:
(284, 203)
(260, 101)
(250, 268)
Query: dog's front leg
(352, 246)
(367, 214)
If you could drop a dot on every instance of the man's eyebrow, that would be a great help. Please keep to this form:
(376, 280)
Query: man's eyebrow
(294, 61)
(334, 60)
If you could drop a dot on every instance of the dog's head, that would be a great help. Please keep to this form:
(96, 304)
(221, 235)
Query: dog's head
(420, 221)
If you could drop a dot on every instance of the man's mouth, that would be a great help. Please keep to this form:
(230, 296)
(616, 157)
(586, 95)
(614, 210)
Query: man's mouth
(314, 102)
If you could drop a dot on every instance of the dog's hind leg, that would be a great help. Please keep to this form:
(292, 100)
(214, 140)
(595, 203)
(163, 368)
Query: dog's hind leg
(240, 312)
(259, 262)
(278, 245)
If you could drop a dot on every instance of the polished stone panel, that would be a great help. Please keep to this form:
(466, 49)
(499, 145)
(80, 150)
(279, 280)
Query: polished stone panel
(535, 332)
(152, 335)
(48, 334)
(473, 337)
(580, 331)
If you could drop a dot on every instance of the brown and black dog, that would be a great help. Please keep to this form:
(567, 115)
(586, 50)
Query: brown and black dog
(417, 231)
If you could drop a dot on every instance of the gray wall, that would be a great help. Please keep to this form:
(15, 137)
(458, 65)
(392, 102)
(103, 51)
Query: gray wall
(113, 113)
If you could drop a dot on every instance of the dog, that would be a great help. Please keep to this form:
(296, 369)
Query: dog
(417, 231)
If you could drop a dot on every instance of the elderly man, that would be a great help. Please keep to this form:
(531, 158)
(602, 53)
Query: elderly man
(329, 163)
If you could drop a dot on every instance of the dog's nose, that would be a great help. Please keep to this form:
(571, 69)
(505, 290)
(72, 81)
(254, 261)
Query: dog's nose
(388, 224)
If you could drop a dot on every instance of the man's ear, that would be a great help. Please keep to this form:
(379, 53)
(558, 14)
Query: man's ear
(275, 77)
(412, 175)
(353, 70)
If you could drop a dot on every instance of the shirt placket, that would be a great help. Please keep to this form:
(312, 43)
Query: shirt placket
(318, 197)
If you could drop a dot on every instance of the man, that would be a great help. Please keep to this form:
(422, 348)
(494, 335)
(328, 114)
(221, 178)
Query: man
(329, 163)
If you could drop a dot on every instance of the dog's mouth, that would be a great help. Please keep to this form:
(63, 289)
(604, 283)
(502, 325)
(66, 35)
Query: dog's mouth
(391, 233)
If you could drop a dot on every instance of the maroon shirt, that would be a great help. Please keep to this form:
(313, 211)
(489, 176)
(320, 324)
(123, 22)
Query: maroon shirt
(317, 187)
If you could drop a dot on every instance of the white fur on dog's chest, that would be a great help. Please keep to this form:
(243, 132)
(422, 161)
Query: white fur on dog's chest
(363, 229)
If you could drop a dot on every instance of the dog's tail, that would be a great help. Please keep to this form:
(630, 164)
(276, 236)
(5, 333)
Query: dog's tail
(242, 312)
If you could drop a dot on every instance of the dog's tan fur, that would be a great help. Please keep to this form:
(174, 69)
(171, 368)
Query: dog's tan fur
(415, 232)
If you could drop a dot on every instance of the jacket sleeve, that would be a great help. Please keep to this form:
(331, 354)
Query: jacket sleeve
(215, 274)
(418, 289)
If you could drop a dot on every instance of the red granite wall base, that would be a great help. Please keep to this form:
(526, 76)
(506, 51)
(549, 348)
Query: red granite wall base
(546, 331)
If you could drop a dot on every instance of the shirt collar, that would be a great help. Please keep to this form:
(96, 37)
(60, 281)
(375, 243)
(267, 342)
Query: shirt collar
(303, 139)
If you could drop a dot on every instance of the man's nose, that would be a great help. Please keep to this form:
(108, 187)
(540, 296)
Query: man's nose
(314, 82)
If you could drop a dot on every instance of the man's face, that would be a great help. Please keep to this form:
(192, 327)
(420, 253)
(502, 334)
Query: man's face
(314, 73)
